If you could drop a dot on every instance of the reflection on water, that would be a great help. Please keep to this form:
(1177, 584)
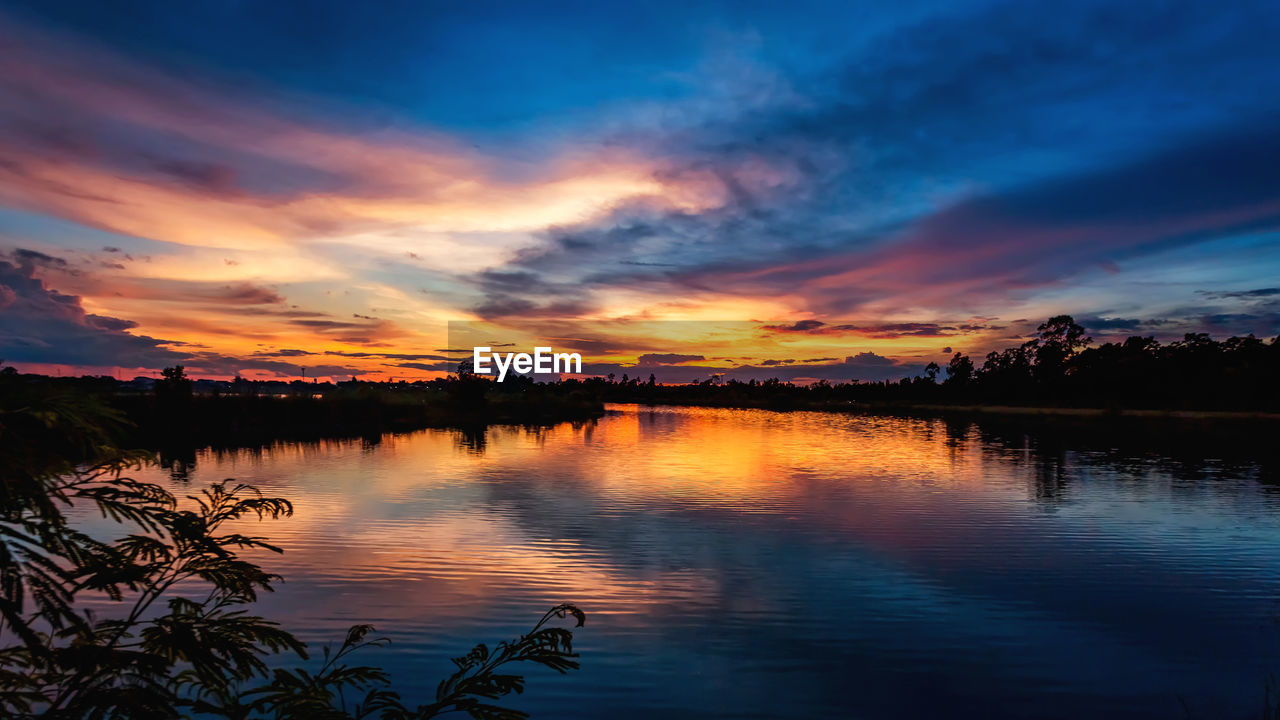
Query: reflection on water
(756, 564)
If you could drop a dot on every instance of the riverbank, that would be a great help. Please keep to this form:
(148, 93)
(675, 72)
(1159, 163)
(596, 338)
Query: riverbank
(1066, 412)
(229, 421)
(1009, 411)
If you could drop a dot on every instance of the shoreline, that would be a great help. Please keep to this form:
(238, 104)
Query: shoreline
(1106, 413)
(242, 421)
(1002, 411)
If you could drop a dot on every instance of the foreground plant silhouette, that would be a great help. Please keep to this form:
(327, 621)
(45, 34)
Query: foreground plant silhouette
(183, 641)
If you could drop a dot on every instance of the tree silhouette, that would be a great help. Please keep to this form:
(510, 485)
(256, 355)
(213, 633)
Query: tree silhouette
(931, 371)
(173, 389)
(959, 371)
(1060, 339)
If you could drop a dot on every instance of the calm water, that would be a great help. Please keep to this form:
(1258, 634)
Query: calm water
(754, 564)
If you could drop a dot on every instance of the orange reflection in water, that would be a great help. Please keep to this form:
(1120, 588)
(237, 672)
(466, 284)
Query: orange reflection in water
(421, 524)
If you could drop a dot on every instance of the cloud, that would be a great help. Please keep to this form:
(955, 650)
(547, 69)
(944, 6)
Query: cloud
(430, 367)
(238, 294)
(330, 325)
(667, 358)
(40, 325)
(1125, 324)
(31, 258)
(110, 323)
(225, 365)
(238, 297)
(882, 330)
(283, 352)
(505, 307)
(1262, 319)
(209, 177)
(1241, 294)
(802, 326)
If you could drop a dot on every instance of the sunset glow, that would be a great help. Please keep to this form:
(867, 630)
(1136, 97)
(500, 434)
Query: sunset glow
(329, 214)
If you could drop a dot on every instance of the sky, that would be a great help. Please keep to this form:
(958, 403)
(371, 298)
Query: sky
(840, 190)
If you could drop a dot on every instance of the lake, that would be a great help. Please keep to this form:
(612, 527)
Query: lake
(753, 564)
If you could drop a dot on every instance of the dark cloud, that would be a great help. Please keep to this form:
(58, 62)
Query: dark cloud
(667, 358)
(503, 306)
(1264, 321)
(584, 239)
(803, 326)
(217, 364)
(518, 281)
(283, 352)
(386, 356)
(242, 298)
(32, 258)
(219, 294)
(246, 294)
(1262, 318)
(329, 325)
(209, 177)
(109, 323)
(1123, 324)
(1241, 294)
(524, 293)
(880, 331)
(430, 367)
(273, 312)
(41, 325)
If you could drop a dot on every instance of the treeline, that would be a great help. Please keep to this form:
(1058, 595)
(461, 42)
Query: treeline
(171, 415)
(1059, 368)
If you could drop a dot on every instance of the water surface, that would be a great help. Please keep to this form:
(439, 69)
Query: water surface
(751, 564)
